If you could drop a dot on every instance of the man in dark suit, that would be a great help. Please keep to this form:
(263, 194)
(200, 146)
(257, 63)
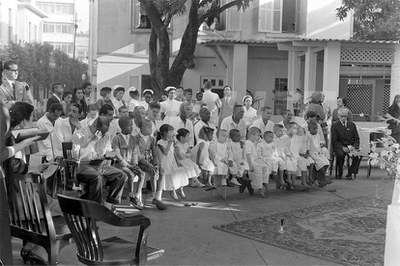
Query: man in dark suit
(344, 141)
(227, 105)
(58, 91)
(12, 90)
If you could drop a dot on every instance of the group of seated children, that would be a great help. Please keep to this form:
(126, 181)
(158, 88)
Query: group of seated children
(170, 164)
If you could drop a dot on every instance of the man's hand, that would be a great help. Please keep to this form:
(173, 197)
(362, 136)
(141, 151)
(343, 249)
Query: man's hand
(346, 150)
(98, 135)
(75, 123)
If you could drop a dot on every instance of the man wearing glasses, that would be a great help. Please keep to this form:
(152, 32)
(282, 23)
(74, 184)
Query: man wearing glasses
(12, 90)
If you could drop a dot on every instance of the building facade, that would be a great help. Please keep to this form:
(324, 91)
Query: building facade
(59, 26)
(272, 50)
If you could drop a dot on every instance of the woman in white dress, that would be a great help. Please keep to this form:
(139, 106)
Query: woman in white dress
(250, 114)
(170, 107)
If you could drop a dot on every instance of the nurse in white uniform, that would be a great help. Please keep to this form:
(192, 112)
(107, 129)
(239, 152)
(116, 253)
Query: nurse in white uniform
(170, 107)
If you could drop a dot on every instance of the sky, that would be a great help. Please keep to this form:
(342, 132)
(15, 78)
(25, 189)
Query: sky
(82, 9)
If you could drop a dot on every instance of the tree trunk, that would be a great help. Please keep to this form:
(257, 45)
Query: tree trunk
(187, 48)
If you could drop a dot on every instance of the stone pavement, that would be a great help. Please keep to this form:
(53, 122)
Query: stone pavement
(188, 238)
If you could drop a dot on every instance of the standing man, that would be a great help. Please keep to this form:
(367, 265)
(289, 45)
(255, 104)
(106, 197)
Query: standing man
(12, 90)
(87, 91)
(212, 101)
(227, 104)
(58, 91)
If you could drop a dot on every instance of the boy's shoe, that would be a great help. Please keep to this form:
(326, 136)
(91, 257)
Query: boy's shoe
(235, 182)
(135, 202)
(250, 189)
(199, 184)
(159, 204)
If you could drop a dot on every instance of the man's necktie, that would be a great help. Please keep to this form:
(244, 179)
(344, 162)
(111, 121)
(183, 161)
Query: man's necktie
(13, 89)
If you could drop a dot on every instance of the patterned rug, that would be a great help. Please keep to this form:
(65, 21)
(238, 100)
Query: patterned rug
(348, 232)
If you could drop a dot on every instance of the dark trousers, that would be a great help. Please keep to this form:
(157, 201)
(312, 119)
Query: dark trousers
(355, 162)
(95, 177)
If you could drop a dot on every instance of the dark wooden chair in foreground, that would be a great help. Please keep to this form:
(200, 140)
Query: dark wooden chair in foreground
(31, 219)
(82, 216)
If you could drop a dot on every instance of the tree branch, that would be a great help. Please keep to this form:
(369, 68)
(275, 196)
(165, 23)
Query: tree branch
(216, 11)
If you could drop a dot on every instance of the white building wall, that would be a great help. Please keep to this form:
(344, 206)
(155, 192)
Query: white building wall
(8, 21)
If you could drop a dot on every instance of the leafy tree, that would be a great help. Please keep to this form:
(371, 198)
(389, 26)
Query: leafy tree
(40, 66)
(160, 13)
(373, 19)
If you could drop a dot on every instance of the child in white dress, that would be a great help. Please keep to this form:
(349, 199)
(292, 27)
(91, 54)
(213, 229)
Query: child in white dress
(201, 155)
(175, 177)
(219, 156)
(183, 153)
(250, 154)
(237, 164)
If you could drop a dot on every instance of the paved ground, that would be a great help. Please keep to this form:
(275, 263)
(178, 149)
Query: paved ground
(187, 236)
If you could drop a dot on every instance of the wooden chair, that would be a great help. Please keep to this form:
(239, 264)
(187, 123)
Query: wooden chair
(71, 167)
(82, 216)
(31, 219)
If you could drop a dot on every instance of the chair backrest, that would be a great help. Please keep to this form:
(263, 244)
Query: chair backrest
(67, 150)
(30, 216)
(81, 216)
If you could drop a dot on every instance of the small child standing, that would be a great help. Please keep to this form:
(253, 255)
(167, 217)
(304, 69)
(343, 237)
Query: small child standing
(291, 159)
(219, 156)
(237, 164)
(127, 156)
(184, 154)
(250, 154)
(201, 155)
(174, 176)
(148, 161)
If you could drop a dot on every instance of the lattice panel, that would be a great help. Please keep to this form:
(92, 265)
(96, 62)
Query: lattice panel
(359, 98)
(367, 55)
(386, 98)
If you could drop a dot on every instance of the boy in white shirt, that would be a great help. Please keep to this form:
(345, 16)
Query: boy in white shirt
(316, 153)
(266, 150)
(258, 181)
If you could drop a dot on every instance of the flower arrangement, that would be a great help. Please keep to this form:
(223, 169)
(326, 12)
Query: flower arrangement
(385, 152)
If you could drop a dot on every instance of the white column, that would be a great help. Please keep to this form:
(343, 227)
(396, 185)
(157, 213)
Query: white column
(310, 73)
(240, 57)
(294, 65)
(330, 85)
(229, 66)
(395, 74)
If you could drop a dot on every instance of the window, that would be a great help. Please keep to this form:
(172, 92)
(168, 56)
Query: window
(278, 15)
(57, 8)
(59, 28)
(139, 18)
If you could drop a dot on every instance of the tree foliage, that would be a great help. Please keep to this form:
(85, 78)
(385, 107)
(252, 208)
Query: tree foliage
(373, 19)
(40, 66)
(160, 13)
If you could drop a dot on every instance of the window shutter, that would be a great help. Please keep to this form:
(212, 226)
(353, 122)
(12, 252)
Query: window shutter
(265, 15)
(277, 16)
(234, 19)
